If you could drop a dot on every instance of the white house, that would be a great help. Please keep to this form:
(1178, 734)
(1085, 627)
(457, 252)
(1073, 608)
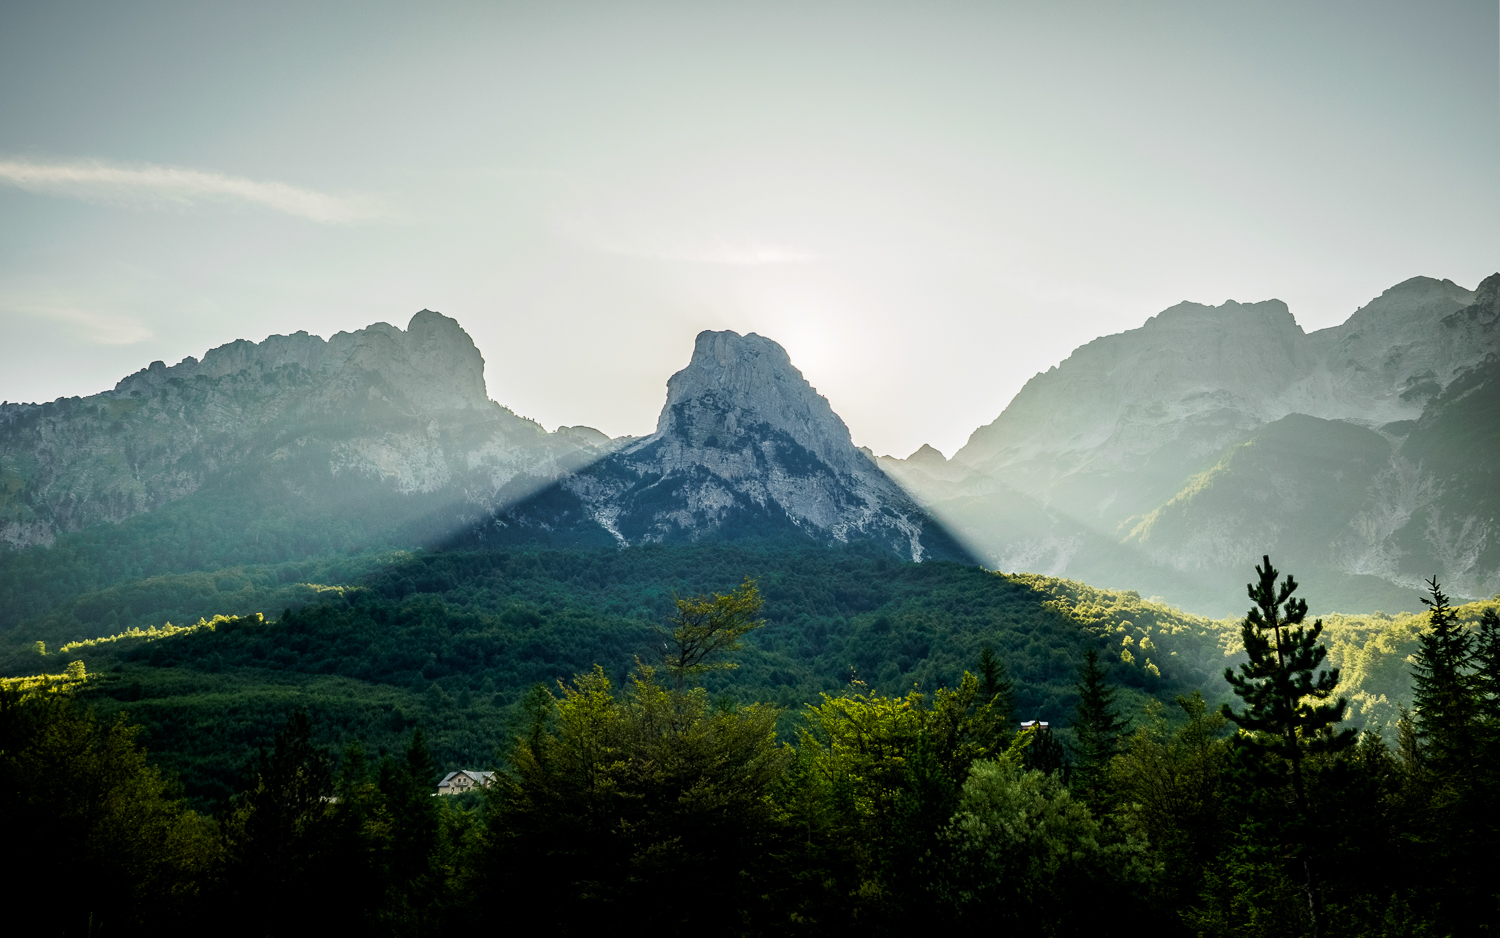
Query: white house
(463, 780)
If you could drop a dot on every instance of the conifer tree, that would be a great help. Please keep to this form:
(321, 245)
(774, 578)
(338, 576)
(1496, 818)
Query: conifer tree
(1097, 727)
(1288, 715)
(412, 831)
(280, 831)
(1444, 696)
(1287, 705)
(1487, 669)
(995, 686)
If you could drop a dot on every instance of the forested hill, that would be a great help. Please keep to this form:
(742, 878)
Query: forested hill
(451, 640)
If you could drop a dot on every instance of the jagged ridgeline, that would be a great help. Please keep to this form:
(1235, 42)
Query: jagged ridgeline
(1169, 457)
(270, 482)
(296, 448)
(262, 453)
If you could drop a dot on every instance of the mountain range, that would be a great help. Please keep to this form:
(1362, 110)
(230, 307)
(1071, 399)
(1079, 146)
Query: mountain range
(1170, 457)
(1164, 459)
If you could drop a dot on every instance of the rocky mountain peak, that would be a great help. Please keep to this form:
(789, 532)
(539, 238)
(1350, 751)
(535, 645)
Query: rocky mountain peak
(1266, 315)
(735, 383)
(1411, 303)
(927, 455)
(744, 448)
(433, 364)
(1484, 303)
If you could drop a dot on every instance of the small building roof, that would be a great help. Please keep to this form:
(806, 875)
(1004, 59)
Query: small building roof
(474, 774)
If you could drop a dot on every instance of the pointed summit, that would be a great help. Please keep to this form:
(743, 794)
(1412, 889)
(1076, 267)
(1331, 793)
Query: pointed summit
(737, 385)
(927, 455)
(744, 447)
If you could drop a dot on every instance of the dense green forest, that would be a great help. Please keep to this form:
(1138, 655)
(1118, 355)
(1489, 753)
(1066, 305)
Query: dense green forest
(378, 643)
(453, 641)
(657, 789)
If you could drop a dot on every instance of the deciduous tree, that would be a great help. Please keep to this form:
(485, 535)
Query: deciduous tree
(704, 627)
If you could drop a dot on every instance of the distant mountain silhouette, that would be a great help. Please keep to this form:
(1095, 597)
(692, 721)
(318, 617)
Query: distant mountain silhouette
(1170, 457)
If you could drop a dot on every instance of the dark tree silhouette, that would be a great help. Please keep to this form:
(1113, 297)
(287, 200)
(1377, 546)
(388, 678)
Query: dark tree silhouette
(1444, 698)
(1097, 727)
(1288, 713)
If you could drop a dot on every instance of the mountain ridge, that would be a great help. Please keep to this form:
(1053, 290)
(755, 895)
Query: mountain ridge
(1079, 473)
(744, 446)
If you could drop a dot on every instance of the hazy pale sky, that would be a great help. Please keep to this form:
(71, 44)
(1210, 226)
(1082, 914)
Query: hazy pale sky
(925, 203)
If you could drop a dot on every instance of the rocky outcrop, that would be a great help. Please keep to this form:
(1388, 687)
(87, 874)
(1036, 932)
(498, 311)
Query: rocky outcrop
(1167, 452)
(405, 410)
(1194, 378)
(744, 447)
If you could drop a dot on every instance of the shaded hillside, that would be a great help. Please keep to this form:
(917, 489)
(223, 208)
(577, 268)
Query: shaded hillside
(451, 640)
(1169, 457)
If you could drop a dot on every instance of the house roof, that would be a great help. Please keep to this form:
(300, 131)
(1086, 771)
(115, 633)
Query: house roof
(481, 777)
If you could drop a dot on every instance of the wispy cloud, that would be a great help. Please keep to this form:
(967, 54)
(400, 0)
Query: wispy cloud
(155, 186)
(95, 327)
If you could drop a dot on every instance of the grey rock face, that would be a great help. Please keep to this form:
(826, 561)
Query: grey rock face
(1199, 376)
(432, 366)
(744, 447)
(406, 410)
(733, 379)
(1146, 451)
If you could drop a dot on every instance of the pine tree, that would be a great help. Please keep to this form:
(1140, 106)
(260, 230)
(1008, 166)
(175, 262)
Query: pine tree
(1097, 727)
(1288, 715)
(1045, 754)
(1283, 696)
(1487, 669)
(995, 686)
(1445, 704)
(280, 831)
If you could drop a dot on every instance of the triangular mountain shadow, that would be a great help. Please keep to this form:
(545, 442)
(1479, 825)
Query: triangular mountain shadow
(745, 449)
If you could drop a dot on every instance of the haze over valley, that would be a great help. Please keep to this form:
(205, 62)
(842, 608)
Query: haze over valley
(750, 469)
(1158, 459)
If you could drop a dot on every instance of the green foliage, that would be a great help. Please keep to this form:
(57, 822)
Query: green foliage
(1287, 721)
(896, 765)
(150, 633)
(1024, 853)
(279, 834)
(654, 798)
(32, 685)
(1097, 726)
(454, 639)
(1373, 654)
(1445, 698)
(1487, 668)
(1177, 781)
(79, 800)
(995, 685)
(708, 626)
(1286, 711)
(889, 813)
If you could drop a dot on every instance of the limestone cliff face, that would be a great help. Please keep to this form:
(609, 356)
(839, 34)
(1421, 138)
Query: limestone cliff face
(405, 410)
(734, 383)
(744, 447)
(1195, 378)
(1171, 456)
(1395, 354)
(1206, 373)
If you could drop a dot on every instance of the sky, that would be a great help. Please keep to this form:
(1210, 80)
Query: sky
(925, 203)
